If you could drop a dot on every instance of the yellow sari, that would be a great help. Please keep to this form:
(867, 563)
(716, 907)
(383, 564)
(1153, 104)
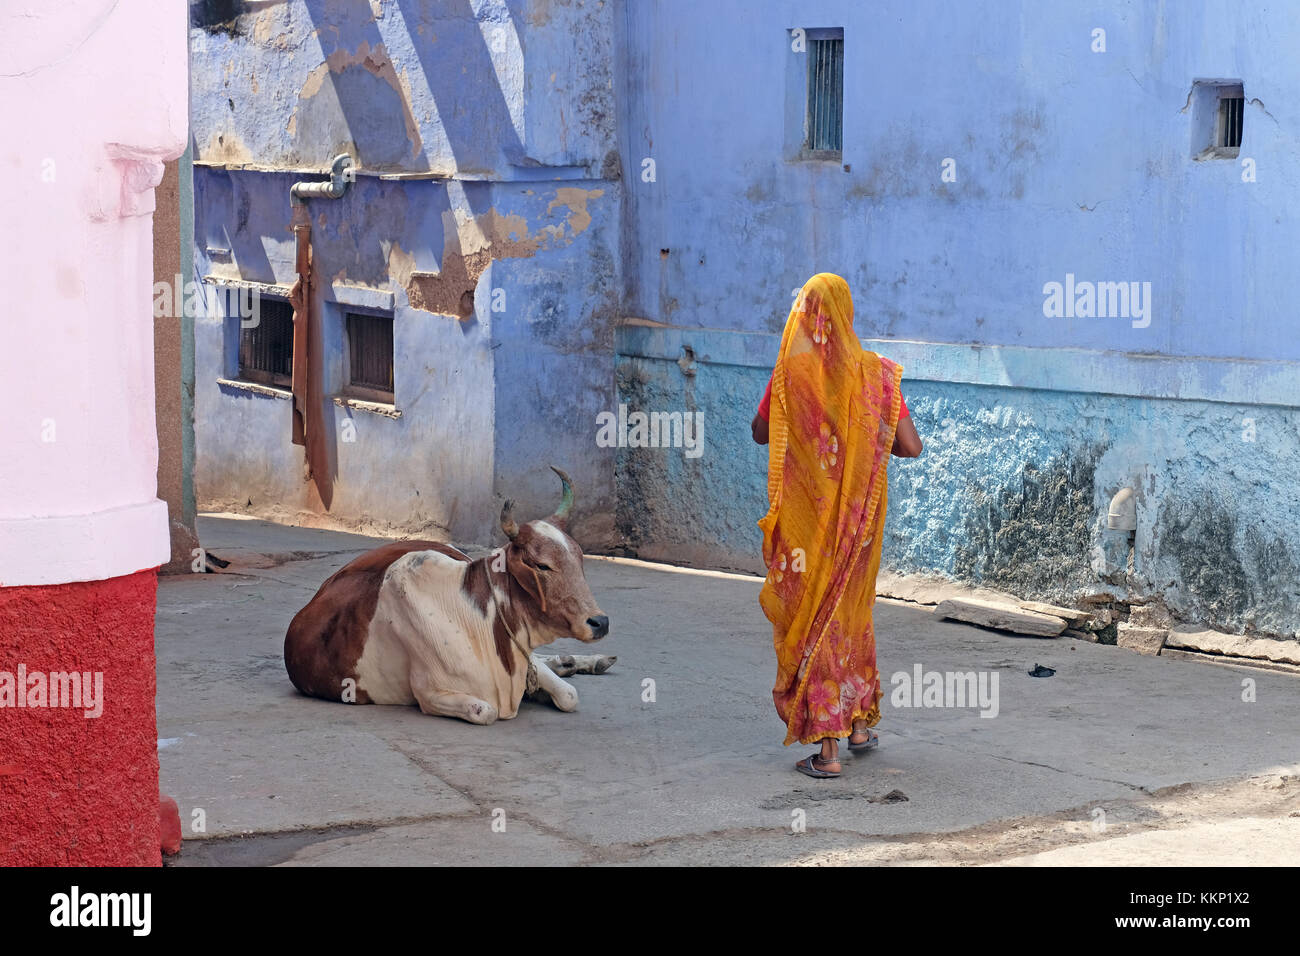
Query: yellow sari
(831, 427)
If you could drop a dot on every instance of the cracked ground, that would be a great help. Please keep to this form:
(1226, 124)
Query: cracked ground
(1117, 759)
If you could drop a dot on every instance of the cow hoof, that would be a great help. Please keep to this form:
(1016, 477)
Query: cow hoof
(481, 712)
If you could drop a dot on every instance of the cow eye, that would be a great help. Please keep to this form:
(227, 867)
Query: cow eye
(543, 567)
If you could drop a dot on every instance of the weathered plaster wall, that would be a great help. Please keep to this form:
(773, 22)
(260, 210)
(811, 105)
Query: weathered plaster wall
(1015, 483)
(432, 468)
(493, 234)
(1067, 161)
(1013, 487)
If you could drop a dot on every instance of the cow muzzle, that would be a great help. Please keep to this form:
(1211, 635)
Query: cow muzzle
(599, 625)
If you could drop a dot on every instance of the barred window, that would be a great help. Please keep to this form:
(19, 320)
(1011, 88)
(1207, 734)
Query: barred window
(825, 120)
(370, 356)
(1231, 110)
(266, 348)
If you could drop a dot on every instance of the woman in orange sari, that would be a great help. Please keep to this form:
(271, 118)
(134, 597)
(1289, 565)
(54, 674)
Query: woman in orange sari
(835, 415)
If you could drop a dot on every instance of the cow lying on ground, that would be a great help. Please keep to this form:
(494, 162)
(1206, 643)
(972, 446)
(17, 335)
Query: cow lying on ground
(418, 622)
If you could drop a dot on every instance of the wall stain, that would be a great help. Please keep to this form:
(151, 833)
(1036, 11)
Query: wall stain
(1249, 586)
(1034, 539)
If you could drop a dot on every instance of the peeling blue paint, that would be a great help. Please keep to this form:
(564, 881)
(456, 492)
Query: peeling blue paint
(475, 165)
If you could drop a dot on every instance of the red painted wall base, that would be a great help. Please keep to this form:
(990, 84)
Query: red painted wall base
(76, 790)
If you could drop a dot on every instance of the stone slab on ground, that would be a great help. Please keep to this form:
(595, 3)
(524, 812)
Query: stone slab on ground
(1150, 615)
(1234, 645)
(1001, 617)
(927, 589)
(1144, 640)
(1071, 616)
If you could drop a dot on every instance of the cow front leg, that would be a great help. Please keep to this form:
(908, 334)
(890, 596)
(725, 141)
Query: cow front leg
(446, 703)
(450, 704)
(568, 664)
(561, 692)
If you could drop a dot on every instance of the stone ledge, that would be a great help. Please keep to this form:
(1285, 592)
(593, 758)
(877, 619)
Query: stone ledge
(1071, 616)
(362, 405)
(268, 390)
(1234, 645)
(1238, 663)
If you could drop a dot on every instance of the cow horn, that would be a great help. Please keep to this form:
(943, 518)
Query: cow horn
(561, 516)
(508, 520)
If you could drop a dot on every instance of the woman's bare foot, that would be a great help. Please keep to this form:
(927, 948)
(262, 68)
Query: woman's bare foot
(825, 764)
(830, 758)
(862, 738)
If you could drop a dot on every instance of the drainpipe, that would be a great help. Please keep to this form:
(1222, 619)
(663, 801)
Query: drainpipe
(308, 428)
(1122, 516)
(336, 187)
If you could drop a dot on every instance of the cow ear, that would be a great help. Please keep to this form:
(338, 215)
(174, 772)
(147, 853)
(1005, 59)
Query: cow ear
(526, 577)
(508, 520)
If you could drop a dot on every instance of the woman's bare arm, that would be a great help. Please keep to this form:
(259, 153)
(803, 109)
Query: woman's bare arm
(907, 443)
(758, 428)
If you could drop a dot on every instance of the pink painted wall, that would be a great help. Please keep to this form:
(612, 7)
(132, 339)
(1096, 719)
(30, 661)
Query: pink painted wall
(93, 100)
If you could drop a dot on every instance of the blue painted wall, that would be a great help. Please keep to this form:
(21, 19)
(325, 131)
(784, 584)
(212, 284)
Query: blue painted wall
(479, 169)
(1067, 161)
(625, 175)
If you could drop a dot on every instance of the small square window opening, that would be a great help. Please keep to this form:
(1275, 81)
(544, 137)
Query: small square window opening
(1218, 118)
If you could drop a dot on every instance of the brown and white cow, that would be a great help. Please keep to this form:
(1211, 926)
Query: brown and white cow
(418, 622)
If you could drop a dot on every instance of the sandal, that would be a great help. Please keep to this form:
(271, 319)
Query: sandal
(806, 766)
(872, 741)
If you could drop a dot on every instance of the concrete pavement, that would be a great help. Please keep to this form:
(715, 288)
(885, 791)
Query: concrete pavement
(699, 774)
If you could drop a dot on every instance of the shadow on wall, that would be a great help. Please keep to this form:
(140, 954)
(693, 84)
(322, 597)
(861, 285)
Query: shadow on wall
(378, 118)
(360, 101)
(366, 110)
(465, 88)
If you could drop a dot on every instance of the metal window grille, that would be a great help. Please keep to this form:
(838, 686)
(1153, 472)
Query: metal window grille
(1231, 112)
(266, 349)
(826, 94)
(370, 355)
